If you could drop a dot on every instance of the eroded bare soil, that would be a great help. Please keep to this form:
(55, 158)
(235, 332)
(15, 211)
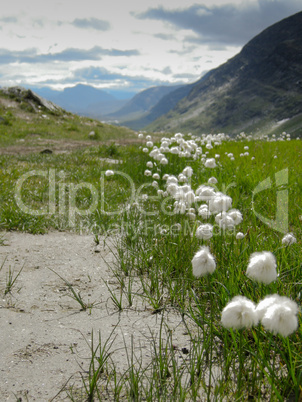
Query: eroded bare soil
(45, 336)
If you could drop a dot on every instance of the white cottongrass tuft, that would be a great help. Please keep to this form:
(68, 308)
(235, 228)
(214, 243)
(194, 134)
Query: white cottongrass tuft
(204, 232)
(280, 316)
(203, 211)
(220, 203)
(203, 262)
(163, 161)
(190, 197)
(212, 180)
(109, 173)
(289, 239)
(262, 267)
(147, 172)
(188, 171)
(265, 303)
(150, 165)
(239, 313)
(236, 216)
(225, 221)
(240, 236)
(210, 163)
(205, 193)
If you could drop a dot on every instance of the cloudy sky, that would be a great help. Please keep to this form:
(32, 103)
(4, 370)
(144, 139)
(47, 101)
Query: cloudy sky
(127, 45)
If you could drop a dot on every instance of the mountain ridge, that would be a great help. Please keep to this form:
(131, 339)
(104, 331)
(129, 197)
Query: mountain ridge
(257, 87)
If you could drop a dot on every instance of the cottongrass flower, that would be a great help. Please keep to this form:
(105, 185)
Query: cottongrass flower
(150, 165)
(109, 173)
(156, 176)
(239, 313)
(212, 180)
(240, 236)
(203, 211)
(205, 193)
(225, 221)
(147, 172)
(220, 203)
(289, 239)
(210, 163)
(180, 207)
(191, 214)
(204, 232)
(190, 197)
(188, 171)
(262, 267)
(172, 188)
(163, 161)
(267, 302)
(280, 317)
(236, 216)
(203, 262)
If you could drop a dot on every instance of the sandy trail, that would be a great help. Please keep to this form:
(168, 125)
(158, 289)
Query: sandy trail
(44, 333)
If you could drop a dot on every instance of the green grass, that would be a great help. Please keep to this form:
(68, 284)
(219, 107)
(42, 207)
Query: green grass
(150, 250)
(21, 125)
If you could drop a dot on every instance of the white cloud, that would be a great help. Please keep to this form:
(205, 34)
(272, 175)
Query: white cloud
(172, 41)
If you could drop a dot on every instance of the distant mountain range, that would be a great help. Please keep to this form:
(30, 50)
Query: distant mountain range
(260, 89)
(83, 99)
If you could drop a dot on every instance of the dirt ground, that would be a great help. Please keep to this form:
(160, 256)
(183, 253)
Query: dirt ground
(45, 336)
(58, 146)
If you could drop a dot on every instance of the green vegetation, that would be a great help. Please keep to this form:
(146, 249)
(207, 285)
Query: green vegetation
(154, 247)
(22, 125)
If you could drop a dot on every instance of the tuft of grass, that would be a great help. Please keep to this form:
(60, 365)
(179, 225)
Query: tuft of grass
(75, 295)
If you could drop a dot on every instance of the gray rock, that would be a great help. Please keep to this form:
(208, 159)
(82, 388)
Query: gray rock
(27, 95)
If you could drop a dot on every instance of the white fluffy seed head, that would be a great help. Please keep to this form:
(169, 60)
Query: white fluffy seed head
(236, 215)
(262, 267)
(220, 203)
(240, 236)
(212, 180)
(264, 304)
(203, 262)
(289, 239)
(239, 313)
(204, 232)
(188, 171)
(210, 163)
(281, 319)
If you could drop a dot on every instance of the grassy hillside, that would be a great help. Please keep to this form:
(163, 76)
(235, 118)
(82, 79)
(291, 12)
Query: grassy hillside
(25, 123)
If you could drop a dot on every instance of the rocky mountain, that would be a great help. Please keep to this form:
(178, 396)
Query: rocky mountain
(258, 89)
(31, 100)
(141, 104)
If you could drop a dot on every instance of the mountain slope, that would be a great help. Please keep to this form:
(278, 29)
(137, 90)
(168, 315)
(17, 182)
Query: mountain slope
(162, 107)
(255, 89)
(142, 103)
